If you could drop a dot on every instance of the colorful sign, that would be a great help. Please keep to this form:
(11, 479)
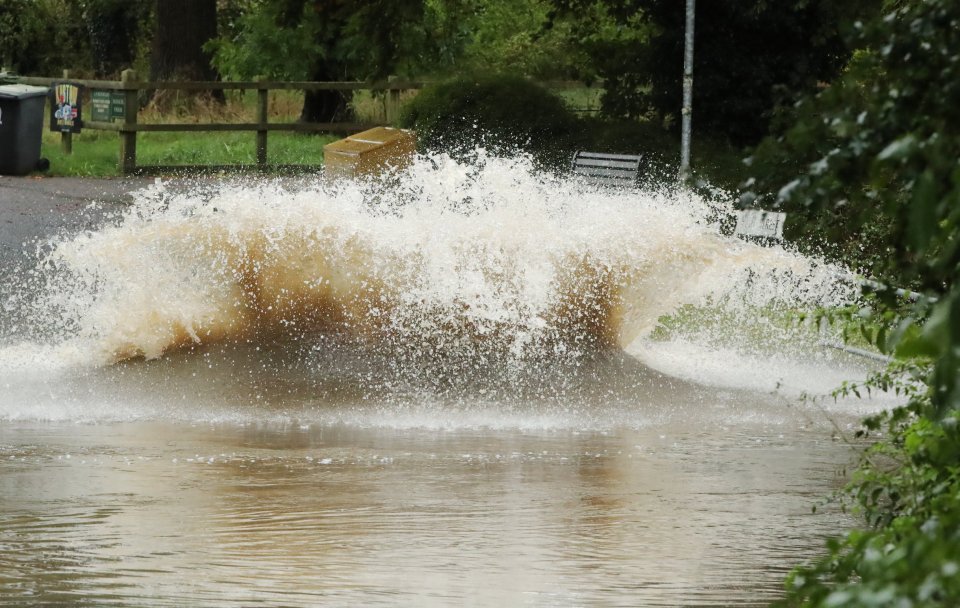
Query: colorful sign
(65, 110)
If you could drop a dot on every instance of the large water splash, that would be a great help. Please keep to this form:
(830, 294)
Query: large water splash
(486, 258)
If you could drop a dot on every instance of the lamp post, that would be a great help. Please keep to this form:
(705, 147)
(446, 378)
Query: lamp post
(687, 110)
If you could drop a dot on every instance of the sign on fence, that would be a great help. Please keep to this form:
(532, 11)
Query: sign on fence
(106, 106)
(65, 115)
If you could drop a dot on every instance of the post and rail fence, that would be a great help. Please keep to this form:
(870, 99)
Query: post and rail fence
(124, 111)
(129, 87)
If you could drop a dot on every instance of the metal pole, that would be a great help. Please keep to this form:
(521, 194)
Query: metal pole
(687, 111)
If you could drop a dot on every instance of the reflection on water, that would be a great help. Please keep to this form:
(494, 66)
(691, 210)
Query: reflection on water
(632, 489)
(155, 514)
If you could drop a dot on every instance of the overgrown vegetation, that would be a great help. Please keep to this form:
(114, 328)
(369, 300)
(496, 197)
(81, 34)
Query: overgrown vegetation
(876, 153)
(89, 37)
(42, 36)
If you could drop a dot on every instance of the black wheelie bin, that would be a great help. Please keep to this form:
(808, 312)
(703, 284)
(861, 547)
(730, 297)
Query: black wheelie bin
(21, 128)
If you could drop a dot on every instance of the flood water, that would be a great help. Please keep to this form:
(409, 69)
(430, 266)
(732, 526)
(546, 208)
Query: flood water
(502, 392)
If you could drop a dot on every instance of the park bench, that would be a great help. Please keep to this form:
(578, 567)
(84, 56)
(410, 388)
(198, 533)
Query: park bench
(618, 170)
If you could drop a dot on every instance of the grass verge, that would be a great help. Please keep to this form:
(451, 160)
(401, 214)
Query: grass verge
(96, 153)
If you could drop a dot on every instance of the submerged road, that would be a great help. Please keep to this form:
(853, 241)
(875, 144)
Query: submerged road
(32, 207)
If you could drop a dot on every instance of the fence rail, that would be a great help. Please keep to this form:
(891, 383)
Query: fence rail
(131, 87)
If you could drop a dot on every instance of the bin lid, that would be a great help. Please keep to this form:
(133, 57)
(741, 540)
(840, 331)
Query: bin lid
(21, 91)
(371, 139)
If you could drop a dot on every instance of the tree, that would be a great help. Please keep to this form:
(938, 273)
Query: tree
(325, 40)
(519, 37)
(42, 37)
(181, 28)
(115, 28)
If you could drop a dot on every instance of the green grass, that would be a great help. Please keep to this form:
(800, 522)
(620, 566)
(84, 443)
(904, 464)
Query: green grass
(585, 101)
(95, 153)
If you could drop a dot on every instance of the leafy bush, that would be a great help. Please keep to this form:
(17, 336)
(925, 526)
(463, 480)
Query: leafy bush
(501, 113)
(907, 488)
(882, 144)
(519, 36)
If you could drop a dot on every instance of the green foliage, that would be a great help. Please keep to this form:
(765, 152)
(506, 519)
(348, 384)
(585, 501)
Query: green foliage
(116, 31)
(876, 153)
(256, 46)
(500, 112)
(301, 39)
(907, 488)
(324, 41)
(42, 36)
(518, 36)
(893, 123)
(614, 39)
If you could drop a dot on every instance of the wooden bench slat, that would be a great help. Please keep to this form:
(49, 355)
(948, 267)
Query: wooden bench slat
(589, 162)
(618, 170)
(611, 181)
(604, 155)
(600, 171)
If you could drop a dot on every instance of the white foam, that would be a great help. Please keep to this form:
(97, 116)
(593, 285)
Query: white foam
(792, 374)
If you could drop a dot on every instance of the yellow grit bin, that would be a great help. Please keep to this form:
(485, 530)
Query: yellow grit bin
(369, 152)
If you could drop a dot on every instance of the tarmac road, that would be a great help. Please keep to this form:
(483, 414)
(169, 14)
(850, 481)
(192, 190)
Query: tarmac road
(36, 207)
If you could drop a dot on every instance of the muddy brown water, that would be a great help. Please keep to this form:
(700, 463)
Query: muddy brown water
(118, 489)
(451, 436)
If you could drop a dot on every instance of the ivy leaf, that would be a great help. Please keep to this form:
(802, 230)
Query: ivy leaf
(910, 343)
(898, 149)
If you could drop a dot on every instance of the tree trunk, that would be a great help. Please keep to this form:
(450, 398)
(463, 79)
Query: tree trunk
(113, 27)
(181, 28)
(325, 106)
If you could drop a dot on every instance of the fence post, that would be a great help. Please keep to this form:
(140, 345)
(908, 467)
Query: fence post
(128, 136)
(66, 137)
(393, 102)
(262, 101)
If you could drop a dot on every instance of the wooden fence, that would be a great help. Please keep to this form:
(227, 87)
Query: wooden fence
(128, 126)
(130, 87)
